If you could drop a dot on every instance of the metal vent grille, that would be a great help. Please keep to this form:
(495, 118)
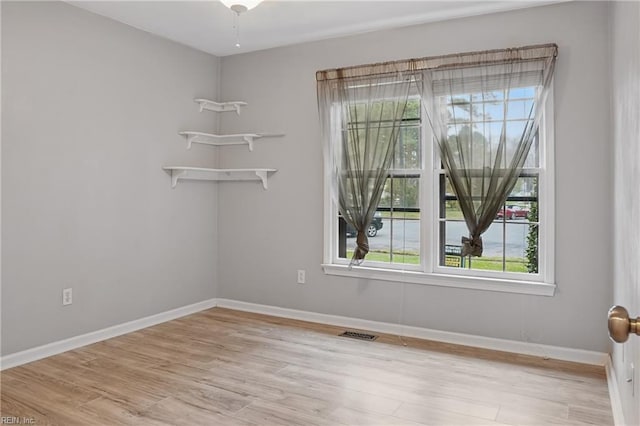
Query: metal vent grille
(359, 336)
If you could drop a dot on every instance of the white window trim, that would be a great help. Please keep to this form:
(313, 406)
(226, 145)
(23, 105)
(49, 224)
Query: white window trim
(543, 284)
(546, 214)
(441, 280)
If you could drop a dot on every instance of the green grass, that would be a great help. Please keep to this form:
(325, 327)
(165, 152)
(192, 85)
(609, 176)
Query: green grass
(452, 213)
(512, 264)
(400, 215)
(385, 256)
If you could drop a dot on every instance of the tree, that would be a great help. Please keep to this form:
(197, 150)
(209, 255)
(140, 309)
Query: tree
(532, 239)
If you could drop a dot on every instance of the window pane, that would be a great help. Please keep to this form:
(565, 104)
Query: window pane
(522, 92)
(379, 239)
(459, 108)
(514, 131)
(509, 245)
(451, 211)
(451, 233)
(493, 110)
(412, 111)
(396, 241)
(455, 230)
(405, 192)
(519, 109)
(514, 249)
(394, 235)
(488, 96)
(375, 111)
(405, 246)
(492, 240)
(525, 187)
(400, 193)
(408, 150)
(533, 159)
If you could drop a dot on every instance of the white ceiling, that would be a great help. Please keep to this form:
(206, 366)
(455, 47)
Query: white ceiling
(209, 25)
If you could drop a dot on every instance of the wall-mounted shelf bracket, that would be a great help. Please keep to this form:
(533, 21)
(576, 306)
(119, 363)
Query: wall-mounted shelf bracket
(263, 175)
(249, 140)
(175, 175)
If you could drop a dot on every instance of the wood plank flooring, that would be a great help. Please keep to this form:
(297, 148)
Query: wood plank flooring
(224, 367)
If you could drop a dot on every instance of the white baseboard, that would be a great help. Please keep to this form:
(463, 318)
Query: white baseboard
(614, 394)
(525, 348)
(39, 352)
(545, 351)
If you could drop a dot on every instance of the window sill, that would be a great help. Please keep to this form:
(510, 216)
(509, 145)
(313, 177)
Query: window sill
(442, 280)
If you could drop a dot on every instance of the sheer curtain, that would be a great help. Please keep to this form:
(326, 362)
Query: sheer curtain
(484, 109)
(360, 114)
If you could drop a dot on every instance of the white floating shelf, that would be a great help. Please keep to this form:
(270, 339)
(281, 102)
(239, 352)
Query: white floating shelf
(198, 173)
(218, 140)
(220, 106)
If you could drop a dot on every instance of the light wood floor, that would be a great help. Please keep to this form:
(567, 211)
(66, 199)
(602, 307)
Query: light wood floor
(223, 367)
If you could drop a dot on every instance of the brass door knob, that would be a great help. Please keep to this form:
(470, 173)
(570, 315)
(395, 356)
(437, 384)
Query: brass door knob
(620, 325)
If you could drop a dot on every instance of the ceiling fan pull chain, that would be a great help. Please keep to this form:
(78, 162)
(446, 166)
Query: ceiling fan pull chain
(237, 26)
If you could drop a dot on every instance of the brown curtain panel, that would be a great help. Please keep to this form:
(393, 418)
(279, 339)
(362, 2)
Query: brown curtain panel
(485, 109)
(360, 117)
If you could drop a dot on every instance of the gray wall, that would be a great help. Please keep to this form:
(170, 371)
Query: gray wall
(91, 109)
(267, 236)
(625, 109)
(90, 112)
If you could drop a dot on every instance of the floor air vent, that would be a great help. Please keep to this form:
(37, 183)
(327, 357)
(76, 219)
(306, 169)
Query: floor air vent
(359, 336)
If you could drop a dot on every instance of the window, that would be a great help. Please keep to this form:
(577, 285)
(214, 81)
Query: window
(512, 243)
(418, 223)
(480, 122)
(394, 234)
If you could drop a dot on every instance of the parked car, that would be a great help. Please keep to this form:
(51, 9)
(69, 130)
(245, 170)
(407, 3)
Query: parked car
(513, 212)
(372, 231)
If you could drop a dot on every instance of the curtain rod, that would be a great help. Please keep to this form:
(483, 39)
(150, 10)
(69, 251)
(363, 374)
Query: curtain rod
(485, 57)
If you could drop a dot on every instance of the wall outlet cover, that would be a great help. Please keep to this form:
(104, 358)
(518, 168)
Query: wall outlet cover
(67, 296)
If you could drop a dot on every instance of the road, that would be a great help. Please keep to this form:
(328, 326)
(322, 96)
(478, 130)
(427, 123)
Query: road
(516, 236)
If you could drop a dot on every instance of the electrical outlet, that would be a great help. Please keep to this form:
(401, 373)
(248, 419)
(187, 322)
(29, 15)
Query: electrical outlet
(67, 296)
(301, 276)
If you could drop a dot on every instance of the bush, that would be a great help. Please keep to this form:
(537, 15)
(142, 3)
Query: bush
(532, 240)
